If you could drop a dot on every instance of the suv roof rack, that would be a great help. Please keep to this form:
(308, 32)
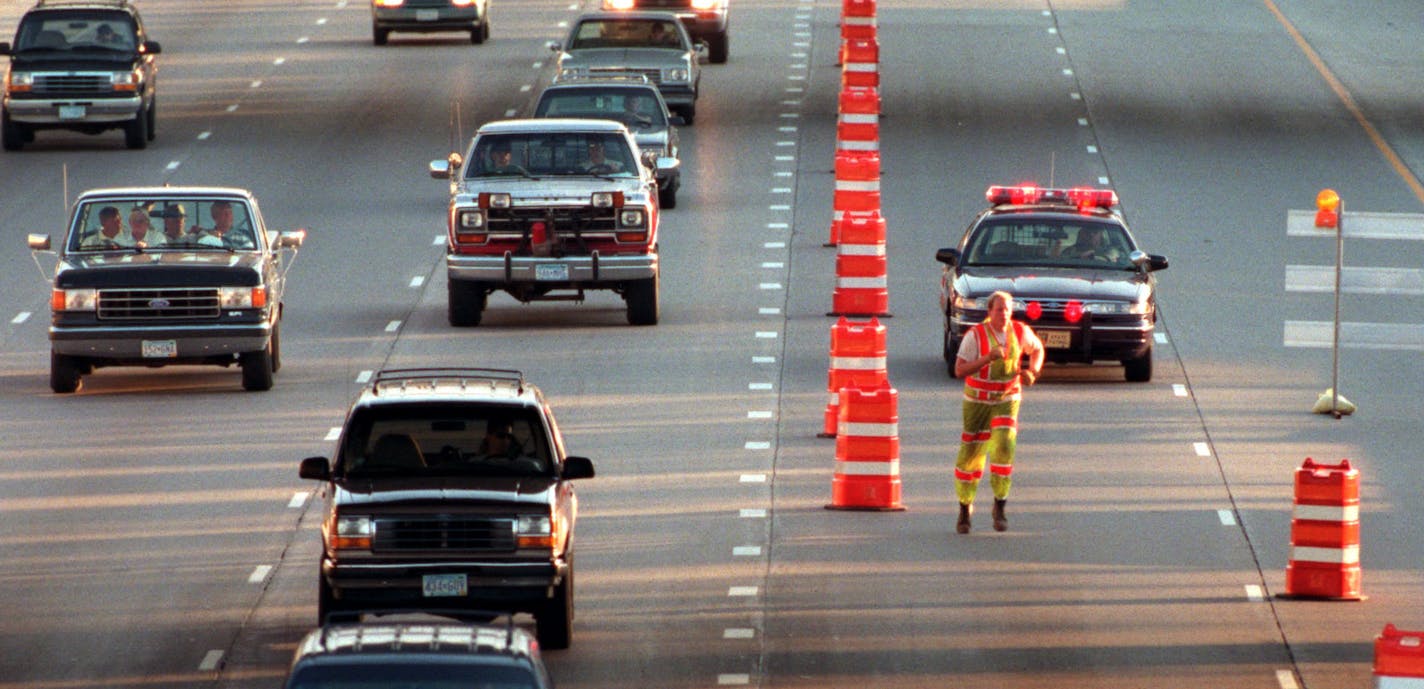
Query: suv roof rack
(400, 376)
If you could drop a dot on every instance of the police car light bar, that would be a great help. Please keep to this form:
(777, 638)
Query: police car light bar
(1082, 197)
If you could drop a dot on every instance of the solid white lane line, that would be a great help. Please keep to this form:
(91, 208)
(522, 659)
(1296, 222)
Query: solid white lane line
(769, 311)
(259, 574)
(738, 633)
(20, 317)
(1202, 449)
(298, 499)
(210, 661)
(333, 433)
(752, 514)
(393, 326)
(364, 376)
(752, 478)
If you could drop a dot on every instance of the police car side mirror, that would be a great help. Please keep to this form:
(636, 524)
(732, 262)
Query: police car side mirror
(948, 256)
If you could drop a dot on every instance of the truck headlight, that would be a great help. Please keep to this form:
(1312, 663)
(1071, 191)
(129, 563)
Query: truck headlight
(20, 81)
(353, 533)
(125, 81)
(631, 217)
(534, 531)
(74, 300)
(470, 220)
(676, 74)
(242, 297)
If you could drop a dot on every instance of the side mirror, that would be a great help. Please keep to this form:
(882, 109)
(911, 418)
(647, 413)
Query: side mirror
(315, 468)
(948, 256)
(577, 467)
(553, 46)
(665, 163)
(4, 48)
(677, 120)
(38, 242)
(440, 169)
(291, 239)
(150, 48)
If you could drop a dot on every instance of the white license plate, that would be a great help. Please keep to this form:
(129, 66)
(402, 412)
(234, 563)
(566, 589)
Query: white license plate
(551, 271)
(445, 585)
(160, 349)
(71, 112)
(1056, 339)
(427, 15)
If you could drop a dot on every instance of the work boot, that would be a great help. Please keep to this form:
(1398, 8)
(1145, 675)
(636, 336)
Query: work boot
(1001, 523)
(963, 525)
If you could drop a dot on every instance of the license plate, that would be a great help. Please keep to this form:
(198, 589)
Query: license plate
(445, 585)
(160, 349)
(71, 112)
(1056, 339)
(551, 271)
(427, 15)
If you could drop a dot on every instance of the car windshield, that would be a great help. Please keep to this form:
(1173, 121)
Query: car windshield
(163, 224)
(551, 154)
(426, 672)
(444, 440)
(74, 31)
(634, 107)
(627, 33)
(1049, 243)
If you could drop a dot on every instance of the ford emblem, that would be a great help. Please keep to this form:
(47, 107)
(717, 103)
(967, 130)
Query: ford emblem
(158, 304)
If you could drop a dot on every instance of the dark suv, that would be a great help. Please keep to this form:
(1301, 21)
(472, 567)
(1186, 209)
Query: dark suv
(81, 65)
(450, 489)
(408, 654)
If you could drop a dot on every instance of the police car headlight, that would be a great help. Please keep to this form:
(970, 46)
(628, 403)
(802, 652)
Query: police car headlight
(676, 74)
(1115, 308)
(971, 303)
(631, 217)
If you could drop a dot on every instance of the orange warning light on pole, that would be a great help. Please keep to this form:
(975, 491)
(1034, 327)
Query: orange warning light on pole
(1327, 209)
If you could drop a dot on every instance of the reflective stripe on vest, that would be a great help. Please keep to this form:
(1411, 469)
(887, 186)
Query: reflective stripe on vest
(980, 386)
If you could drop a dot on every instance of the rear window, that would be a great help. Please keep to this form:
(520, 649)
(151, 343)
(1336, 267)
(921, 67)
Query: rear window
(632, 107)
(445, 440)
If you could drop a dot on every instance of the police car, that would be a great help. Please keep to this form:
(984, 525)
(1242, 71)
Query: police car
(1077, 275)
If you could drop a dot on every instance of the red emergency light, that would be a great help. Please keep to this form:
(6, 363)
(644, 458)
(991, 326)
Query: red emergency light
(1073, 311)
(1033, 310)
(1084, 198)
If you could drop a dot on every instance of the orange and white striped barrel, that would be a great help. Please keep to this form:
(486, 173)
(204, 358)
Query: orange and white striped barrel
(1399, 659)
(1325, 533)
(858, 128)
(857, 187)
(860, 62)
(858, 19)
(867, 470)
(857, 360)
(862, 283)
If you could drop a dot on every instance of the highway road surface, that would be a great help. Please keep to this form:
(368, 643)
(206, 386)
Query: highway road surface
(154, 532)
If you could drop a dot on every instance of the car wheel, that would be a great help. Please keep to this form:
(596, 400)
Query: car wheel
(380, 36)
(479, 33)
(642, 298)
(276, 347)
(256, 369)
(467, 303)
(554, 624)
(689, 113)
(12, 133)
(951, 352)
(152, 119)
(667, 196)
(325, 601)
(717, 49)
(64, 372)
(1138, 370)
(136, 131)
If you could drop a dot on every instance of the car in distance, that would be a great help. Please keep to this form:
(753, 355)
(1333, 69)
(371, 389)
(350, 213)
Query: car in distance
(533, 213)
(138, 283)
(80, 65)
(414, 653)
(654, 44)
(706, 20)
(634, 102)
(1077, 276)
(428, 16)
(450, 489)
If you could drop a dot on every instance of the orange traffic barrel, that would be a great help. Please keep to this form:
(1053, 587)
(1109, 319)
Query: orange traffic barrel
(1325, 533)
(862, 283)
(860, 62)
(858, 19)
(867, 471)
(857, 187)
(1399, 659)
(857, 360)
(858, 128)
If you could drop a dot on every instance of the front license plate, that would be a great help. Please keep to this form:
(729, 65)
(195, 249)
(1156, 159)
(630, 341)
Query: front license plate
(1057, 339)
(71, 112)
(427, 15)
(160, 349)
(445, 586)
(551, 271)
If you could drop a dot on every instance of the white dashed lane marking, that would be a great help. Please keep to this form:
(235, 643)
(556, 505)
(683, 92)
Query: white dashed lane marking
(1227, 517)
(210, 661)
(298, 499)
(752, 514)
(393, 326)
(752, 478)
(1202, 449)
(738, 633)
(21, 317)
(417, 281)
(259, 574)
(364, 376)
(333, 434)
(757, 445)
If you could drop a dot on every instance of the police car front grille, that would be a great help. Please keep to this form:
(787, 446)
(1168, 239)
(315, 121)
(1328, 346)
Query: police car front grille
(71, 84)
(467, 534)
(158, 304)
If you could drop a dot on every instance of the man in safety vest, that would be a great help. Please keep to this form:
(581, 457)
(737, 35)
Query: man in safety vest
(990, 362)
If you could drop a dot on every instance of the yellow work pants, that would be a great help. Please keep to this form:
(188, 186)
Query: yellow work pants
(989, 430)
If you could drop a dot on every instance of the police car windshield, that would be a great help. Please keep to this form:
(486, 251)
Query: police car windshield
(1050, 243)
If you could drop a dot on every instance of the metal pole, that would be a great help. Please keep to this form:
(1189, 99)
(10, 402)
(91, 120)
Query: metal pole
(1335, 344)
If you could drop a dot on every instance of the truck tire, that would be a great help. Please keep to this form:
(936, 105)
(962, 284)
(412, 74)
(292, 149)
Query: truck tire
(717, 46)
(642, 298)
(554, 624)
(467, 303)
(256, 369)
(65, 373)
(380, 36)
(480, 34)
(152, 119)
(325, 601)
(667, 197)
(12, 134)
(136, 131)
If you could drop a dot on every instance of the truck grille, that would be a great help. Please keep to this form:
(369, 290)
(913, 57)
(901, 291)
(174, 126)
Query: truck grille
(83, 84)
(654, 76)
(469, 534)
(565, 221)
(158, 304)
